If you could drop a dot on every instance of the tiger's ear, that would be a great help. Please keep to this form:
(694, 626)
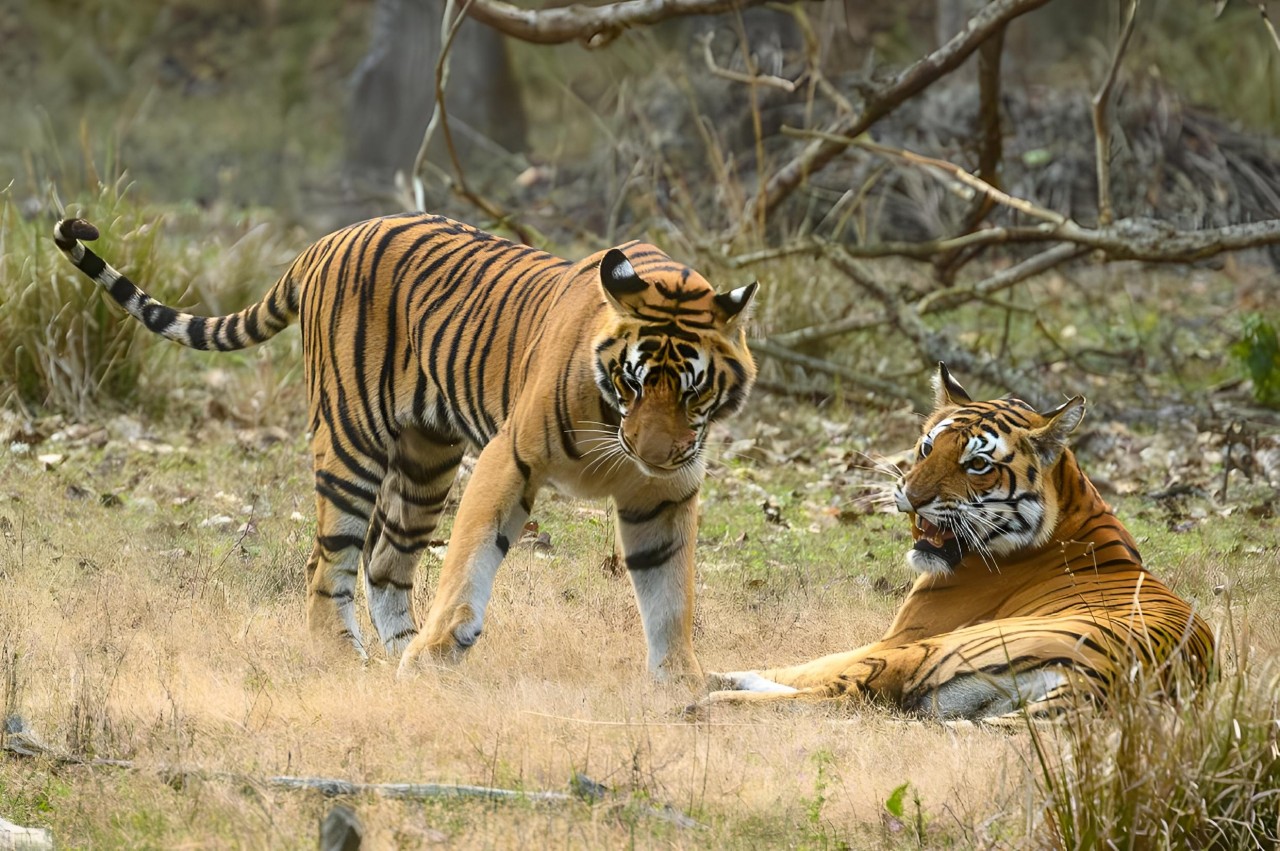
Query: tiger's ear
(734, 306)
(947, 391)
(619, 280)
(1051, 438)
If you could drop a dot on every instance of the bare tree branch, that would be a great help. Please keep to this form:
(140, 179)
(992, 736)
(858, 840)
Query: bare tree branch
(952, 297)
(1149, 240)
(737, 76)
(990, 152)
(594, 26)
(932, 345)
(882, 100)
(857, 378)
(1102, 129)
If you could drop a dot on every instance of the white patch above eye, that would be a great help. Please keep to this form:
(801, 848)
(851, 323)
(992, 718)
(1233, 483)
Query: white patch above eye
(624, 271)
(937, 430)
(983, 447)
(637, 363)
(695, 370)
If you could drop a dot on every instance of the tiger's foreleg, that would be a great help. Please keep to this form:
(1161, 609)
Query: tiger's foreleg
(420, 471)
(490, 518)
(833, 676)
(657, 543)
(977, 672)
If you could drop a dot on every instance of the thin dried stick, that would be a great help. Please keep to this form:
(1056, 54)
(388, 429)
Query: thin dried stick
(1101, 128)
(948, 168)
(853, 376)
(953, 297)
(737, 76)
(1266, 21)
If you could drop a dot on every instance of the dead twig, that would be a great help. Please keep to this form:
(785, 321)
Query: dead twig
(32, 747)
(452, 21)
(1101, 127)
(1266, 22)
(737, 76)
(1148, 240)
(855, 377)
(952, 297)
(933, 346)
(879, 101)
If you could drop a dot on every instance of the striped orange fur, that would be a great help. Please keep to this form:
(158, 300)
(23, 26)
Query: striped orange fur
(424, 336)
(1032, 595)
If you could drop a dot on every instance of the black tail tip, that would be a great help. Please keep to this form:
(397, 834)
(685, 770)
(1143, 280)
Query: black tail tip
(67, 231)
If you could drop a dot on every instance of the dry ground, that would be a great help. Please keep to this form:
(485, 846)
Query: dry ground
(140, 621)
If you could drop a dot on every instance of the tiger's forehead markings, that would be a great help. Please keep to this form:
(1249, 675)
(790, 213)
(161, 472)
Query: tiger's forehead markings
(677, 295)
(1000, 416)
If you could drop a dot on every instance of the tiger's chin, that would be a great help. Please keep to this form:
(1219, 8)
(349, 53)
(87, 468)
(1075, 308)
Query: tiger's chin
(684, 468)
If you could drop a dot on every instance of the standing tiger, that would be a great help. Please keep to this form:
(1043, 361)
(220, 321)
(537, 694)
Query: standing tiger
(423, 336)
(1032, 595)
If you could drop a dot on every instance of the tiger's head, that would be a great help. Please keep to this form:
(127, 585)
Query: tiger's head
(982, 478)
(671, 357)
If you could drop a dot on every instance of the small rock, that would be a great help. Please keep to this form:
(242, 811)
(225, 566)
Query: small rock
(51, 460)
(341, 830)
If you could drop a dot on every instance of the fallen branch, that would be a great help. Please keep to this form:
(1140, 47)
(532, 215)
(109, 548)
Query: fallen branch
(882, 100)
(20, 741)
(593, 26)
(952, 297)
(332, 787)
(932, 345)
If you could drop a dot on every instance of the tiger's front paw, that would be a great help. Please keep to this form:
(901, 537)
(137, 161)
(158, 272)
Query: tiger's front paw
(447, 645)
(746, 681)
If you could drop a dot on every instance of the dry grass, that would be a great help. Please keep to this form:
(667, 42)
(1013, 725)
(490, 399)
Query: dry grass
(133, 633)
(130, 631)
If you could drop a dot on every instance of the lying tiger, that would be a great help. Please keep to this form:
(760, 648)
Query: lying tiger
(1032, 597)
(422, 337)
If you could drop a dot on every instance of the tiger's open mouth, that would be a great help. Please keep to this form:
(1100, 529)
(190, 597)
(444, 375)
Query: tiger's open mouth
(934, 540)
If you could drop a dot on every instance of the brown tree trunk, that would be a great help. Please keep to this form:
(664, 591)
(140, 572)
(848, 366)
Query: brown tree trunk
(392, 95)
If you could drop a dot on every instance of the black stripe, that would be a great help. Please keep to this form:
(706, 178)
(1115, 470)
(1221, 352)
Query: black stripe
(652, 557)
(636, 517)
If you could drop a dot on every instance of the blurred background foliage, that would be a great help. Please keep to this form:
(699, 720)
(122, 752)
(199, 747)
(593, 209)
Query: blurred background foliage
(243, 129)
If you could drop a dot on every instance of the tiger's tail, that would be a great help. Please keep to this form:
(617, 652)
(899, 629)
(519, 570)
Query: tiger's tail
(248, 327)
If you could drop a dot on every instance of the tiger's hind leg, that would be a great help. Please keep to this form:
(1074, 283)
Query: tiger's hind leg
(420, 471)
(346, 486)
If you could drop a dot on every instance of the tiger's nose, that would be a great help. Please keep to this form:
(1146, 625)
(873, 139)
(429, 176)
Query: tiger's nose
(903, 503)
